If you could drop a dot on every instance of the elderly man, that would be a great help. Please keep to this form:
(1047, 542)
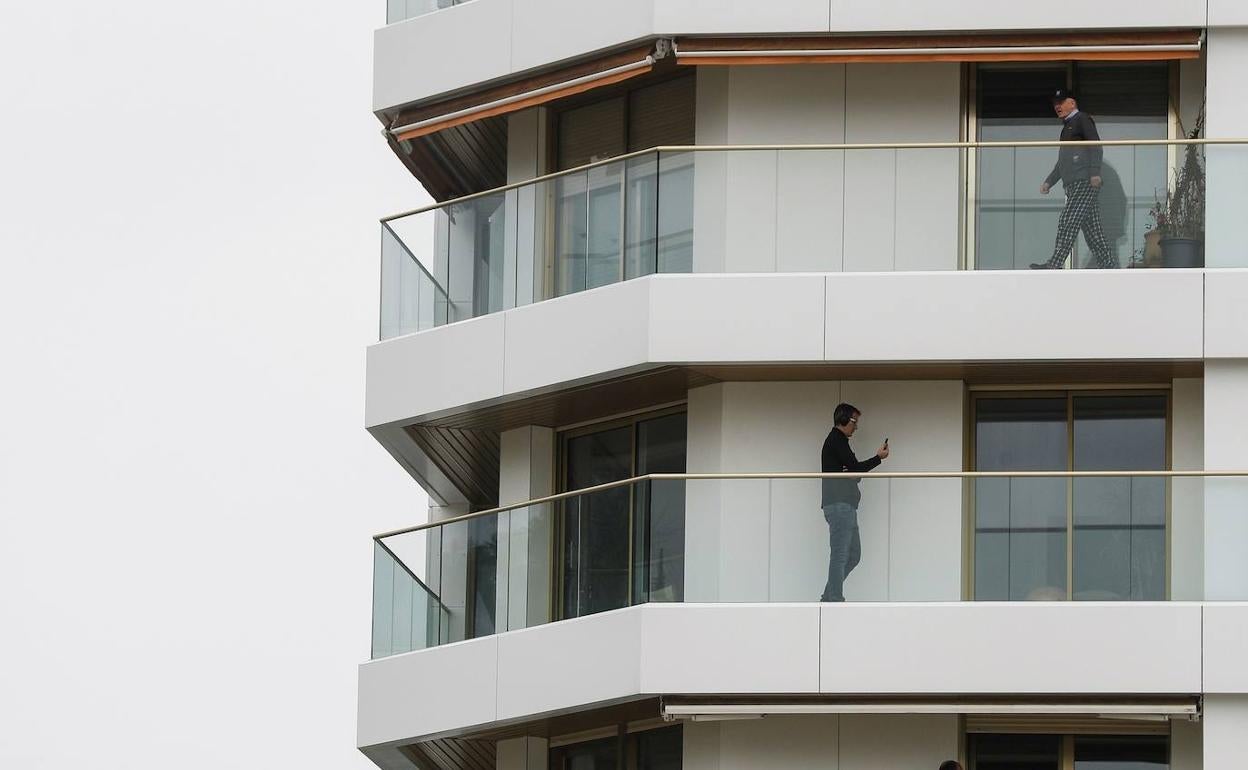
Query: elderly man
(1079, 169)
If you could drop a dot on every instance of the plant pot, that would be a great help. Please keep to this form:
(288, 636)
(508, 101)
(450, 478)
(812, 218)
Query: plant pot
(1182, 252)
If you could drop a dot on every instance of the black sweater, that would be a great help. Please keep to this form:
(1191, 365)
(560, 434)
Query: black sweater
(1074, 163)
(837, 457)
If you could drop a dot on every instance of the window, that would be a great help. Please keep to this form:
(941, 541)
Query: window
(659, 749)
(990, 751)
(1014, 223)
(625, 545)
(608, 222)
(1061, 538)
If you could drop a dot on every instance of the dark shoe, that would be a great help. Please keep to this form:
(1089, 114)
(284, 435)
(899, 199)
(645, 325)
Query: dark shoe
(1041, 266)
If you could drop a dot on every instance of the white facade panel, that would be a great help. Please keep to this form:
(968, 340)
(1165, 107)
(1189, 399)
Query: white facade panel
(736, 318)
(425, 56)
(1226, 313)
(1187, 495)
(850, 742)
(715, 17)
(570, 664)
(580, 335)
(988, 15)
(1226, 448)
(432, 370)
(728, 648)
(1007, 315)
(395, 702)
(547, 31)
(1225, 640)
(1224, 724)
(888, 741)
(1011, 648)
(1227, 13)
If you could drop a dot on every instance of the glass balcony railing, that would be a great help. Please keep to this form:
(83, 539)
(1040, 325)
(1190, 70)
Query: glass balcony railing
(398, 10)
(862, 208)
(807, 537)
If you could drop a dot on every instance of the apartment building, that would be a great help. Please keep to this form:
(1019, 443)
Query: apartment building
(670, 237)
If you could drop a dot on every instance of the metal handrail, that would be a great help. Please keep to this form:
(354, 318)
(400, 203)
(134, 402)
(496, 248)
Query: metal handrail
(813, 475)
(748, 147)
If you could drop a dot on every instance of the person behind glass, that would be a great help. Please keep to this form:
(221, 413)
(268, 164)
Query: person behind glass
(951, 764)
(841, 497)
(1079, 169)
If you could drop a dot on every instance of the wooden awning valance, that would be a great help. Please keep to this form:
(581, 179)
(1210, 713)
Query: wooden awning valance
(829, 49)
(522, 94)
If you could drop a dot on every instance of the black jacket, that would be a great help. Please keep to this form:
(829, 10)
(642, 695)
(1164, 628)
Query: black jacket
(837, 457)
(1074, 163)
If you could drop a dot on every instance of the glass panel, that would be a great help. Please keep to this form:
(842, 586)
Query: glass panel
(675, 211)
(483, 562)
(605, 201)
(1014, 752)
(596, 525)
(1119, 538)
(571, 233)
(641, 217)
(1122, 752)
(1014, 222)
(659, 525)
(403, 606)
(660, 749)
(1020, 523)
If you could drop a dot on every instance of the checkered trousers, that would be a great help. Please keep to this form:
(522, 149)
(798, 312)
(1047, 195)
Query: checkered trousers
(1082, 211)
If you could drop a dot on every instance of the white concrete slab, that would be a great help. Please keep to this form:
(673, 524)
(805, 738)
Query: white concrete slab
(426, 692)
(436, 369)
(1225, 641)
(736, 318)
(730, 648)
(569, 664)
(1011, 648)
(1226, 314)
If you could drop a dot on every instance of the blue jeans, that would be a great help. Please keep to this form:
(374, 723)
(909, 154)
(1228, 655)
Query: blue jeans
(844, 548)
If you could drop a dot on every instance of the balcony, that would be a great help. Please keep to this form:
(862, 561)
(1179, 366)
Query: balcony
(808, 209)
(756, 539)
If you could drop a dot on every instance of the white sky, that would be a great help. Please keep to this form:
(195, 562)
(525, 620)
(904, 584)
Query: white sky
(189, 195)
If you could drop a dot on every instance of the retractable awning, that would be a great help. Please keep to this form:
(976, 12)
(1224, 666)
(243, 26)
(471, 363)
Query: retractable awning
(519, 95)
(826, 49)
(989, 711)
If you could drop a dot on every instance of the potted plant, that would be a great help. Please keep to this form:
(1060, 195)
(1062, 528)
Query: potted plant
(1179, 218)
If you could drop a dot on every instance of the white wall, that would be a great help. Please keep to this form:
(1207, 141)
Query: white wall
(526, 472)
(1187, 495)
(1226, 166)
(847, 742)
(827, 210)
(1225, 723)
(766, 540)
(1226, 448)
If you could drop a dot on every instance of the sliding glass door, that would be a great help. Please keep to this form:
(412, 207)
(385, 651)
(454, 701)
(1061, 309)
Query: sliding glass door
(1061, 538)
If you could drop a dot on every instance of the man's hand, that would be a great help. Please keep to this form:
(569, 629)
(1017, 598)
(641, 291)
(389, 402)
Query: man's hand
(1044, 188)
(1096, 182)
(883, 453)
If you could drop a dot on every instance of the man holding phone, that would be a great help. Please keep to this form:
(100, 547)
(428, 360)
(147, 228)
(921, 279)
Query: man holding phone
(841, 498)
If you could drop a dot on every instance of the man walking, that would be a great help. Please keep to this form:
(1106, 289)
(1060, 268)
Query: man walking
(1079, 169)
(841, 497)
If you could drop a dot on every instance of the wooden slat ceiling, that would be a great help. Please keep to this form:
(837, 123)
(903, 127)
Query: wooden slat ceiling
(458, 161)
(670, 384)
(470, 458)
